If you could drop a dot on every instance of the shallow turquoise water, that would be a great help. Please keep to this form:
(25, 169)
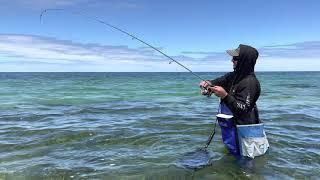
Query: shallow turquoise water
(138, 126)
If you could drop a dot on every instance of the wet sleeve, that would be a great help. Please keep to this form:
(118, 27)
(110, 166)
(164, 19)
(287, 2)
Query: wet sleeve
(243, 100)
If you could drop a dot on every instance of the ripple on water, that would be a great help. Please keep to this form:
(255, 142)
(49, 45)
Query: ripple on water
(74, 125)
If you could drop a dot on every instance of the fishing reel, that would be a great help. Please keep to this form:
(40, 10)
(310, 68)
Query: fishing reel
(205, 91)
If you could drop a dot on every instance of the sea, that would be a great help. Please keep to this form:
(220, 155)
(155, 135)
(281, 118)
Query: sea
(142, 125)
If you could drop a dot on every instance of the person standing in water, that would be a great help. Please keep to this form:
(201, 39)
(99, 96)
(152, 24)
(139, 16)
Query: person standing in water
(238, 92)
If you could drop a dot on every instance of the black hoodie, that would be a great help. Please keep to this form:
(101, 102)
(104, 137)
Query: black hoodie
(243, 87)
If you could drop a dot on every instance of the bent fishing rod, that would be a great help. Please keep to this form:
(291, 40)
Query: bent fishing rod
(204, 90)
(122, 31)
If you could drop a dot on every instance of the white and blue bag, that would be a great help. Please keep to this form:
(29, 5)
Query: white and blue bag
(244, 140)
(252, 140)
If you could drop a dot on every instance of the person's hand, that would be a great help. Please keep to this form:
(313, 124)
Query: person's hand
(204, 88)
(218, 91)
(205, 84)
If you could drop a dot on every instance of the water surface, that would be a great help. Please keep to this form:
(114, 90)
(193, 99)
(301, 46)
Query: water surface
(139, 125)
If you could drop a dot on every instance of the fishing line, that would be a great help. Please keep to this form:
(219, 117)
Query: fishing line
(205, 91)
(211, 136)
(122, 31)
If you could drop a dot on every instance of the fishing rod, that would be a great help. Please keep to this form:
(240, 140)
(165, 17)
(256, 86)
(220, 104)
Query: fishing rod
(204, 90)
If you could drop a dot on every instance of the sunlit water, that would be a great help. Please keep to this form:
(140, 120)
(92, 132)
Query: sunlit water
(141, 125)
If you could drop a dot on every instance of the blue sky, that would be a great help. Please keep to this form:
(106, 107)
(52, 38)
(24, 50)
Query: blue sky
(196, 33)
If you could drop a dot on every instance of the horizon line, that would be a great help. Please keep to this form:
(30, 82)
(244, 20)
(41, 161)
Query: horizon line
(144, 71)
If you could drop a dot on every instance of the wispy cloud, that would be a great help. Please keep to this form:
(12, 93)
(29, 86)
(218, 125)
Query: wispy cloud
(301, 56)
(199, 52)
(308, 49)
(15, 49)
(50, 50)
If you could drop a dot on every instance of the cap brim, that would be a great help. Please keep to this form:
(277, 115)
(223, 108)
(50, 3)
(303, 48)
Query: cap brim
(232, 52)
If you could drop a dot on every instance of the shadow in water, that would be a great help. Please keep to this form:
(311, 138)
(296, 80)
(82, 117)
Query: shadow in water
(195, 160)
(207, 165)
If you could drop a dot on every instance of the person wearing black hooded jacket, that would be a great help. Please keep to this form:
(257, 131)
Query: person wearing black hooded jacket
(239, 90)
(241, 129)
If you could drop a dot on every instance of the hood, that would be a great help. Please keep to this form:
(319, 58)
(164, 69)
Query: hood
(246, 61)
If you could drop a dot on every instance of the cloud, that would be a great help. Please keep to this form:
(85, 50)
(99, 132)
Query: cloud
(37, 52)
(308, 49)
(287, 64)
(199, 52)
(50, 50)
(301, 56)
